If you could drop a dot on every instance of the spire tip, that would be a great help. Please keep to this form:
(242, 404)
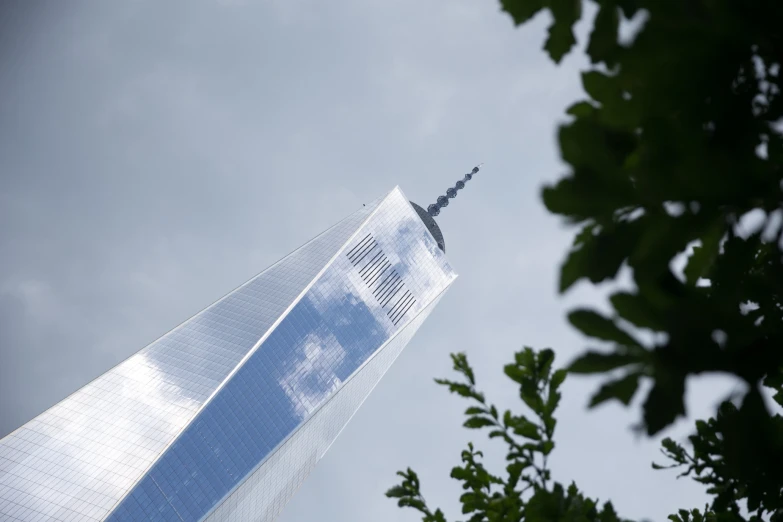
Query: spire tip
(434, 209)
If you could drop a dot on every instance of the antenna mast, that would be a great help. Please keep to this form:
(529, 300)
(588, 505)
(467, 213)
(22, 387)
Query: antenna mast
(443, 201)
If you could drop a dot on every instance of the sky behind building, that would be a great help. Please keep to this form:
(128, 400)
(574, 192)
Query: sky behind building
(155, 156)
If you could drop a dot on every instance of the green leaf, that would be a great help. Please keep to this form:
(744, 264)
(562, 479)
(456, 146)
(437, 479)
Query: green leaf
(521, 10)
(621, 389)
(397, 492)
(603, 40)
(674, 450)
(545, 359)
(596, 362)
(775, 382)
(412, 502)
(551, 403)
(597, 326)
(663, 405)
(557, 380)
(461, 389)
(561, 35)
(474, 410)
(582, 109)
(455, 387)
(515, 373)
(462, 366)
(601, 87)
(528, 392)
(629, 7)
(635, 309)
(478, 422)
(526, 429)
(597, 258)
(703, 256)
(549, 426)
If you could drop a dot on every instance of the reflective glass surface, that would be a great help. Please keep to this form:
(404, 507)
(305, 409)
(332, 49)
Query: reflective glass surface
(265, 492)
(224, 416)
(79, 458)
(347, 315)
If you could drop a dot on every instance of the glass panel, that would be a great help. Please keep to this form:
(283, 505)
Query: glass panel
(79, 458)
(311, 356)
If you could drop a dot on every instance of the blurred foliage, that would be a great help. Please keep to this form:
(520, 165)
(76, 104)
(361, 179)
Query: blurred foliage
(526, 491)
(675, 150)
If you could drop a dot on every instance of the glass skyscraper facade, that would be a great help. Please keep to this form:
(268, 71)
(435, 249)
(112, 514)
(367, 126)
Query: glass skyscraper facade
(223, 417)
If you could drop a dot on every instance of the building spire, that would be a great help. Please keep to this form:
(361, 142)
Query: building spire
(443, 201)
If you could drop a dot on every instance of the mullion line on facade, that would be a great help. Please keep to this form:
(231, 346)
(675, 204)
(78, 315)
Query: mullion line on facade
(403, 304)
(401, 299)
(399, 287)
(378, 272)
(390, 280)
(356, 254)
(375, 244)
(389, 289)
(370, 262)
(404, 311)
(350, 252)
(362, 250)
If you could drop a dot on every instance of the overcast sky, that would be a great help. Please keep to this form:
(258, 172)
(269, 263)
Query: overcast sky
(154, 155)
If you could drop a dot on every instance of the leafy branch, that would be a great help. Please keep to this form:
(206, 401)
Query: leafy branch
(525, 491)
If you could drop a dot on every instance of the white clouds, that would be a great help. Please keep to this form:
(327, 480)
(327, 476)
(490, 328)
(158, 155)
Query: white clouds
(73, 455)
(313, 377)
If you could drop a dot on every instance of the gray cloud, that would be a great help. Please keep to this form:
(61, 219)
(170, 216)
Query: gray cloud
(156, 155)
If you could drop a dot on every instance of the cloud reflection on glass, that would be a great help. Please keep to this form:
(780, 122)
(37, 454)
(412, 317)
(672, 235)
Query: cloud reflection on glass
(245, 396)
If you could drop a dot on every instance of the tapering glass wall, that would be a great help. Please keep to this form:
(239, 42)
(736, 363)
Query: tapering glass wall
(224, 416)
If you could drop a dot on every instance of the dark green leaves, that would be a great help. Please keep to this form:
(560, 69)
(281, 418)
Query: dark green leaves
(621, 389)
(603, 40)
(678, 140)
(601, 87)
(408, 494)
(704, 255)
(521, 10)
(467, 389)
(637, 310)
(478, 422)
(565, 13)
(664, 154)
(597, 257)
(663, 405)
(775, 382)
(524, 428)
(528, 438)
(596, 362)
(464, 390)
(461, 365)
(566, 505)
(581, 109)
(597, 326)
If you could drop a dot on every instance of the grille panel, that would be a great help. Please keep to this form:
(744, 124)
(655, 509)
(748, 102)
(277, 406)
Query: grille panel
(377, 272)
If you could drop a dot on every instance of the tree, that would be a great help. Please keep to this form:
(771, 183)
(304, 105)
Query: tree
(677, 145)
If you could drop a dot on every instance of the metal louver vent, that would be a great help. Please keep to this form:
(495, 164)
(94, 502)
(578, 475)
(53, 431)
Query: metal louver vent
(381, 278)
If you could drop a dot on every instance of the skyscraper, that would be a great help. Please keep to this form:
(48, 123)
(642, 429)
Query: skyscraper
(224, 416)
